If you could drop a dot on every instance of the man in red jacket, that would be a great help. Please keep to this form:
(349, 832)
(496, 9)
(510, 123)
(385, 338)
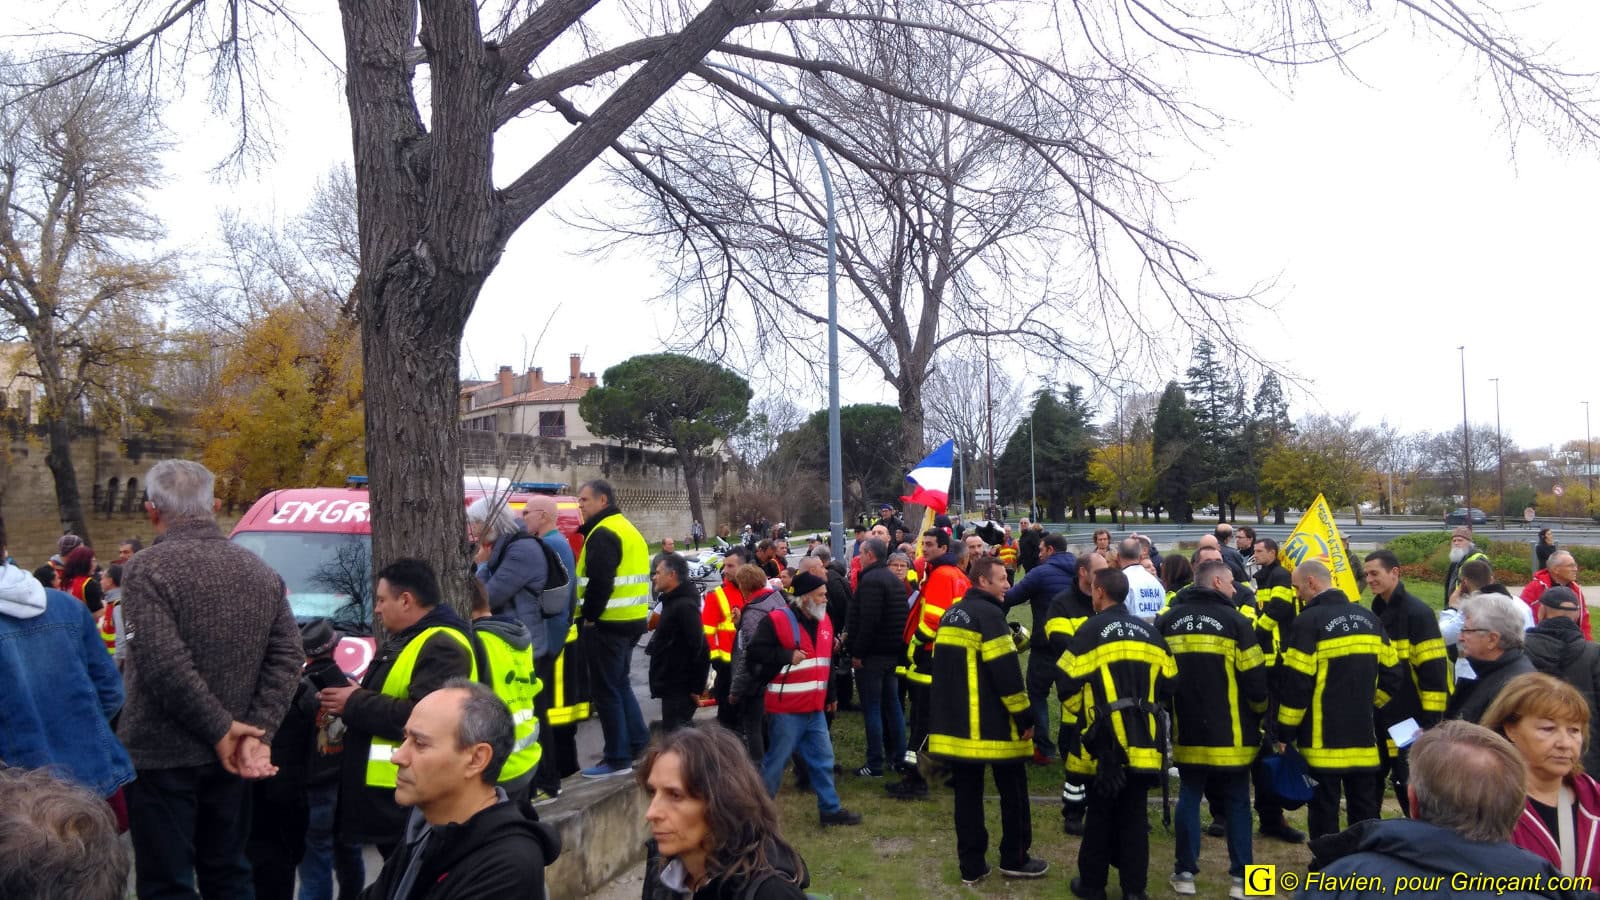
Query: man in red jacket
(944, 584)
(1561, 570)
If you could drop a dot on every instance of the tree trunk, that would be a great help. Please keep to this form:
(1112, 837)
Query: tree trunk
(59, 459)
(692, 467)
(912, 450)
(413, 440)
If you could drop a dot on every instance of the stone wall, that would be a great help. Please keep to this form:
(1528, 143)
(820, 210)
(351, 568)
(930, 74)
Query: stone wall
(110, 473)
(649, 483)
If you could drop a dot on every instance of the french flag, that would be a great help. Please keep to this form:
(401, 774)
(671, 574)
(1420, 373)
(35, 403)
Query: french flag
(930, 480)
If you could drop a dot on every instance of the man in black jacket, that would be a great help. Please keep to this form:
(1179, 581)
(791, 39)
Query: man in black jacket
(464, 839)
(1414, 632)
(876, 626)
(1557, 647)
(679, 659)
(428, 644)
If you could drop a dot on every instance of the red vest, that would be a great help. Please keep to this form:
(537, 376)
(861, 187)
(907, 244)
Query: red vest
(802, 687)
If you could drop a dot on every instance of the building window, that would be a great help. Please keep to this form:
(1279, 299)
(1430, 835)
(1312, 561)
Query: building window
(553, 424)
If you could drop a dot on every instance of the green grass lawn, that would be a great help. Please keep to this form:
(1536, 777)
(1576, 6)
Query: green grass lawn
(907, 849)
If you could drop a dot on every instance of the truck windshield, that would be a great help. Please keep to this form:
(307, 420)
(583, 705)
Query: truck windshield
(328, 575)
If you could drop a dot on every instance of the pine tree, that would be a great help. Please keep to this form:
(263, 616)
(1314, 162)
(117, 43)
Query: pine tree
(1269, 428)
(1175, 449)
(1219, 426)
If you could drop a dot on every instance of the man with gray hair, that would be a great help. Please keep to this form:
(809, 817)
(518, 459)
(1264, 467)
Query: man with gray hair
(1492, 629)
(1466, 794)
(213, 659)
(465, 838)
(57, 840)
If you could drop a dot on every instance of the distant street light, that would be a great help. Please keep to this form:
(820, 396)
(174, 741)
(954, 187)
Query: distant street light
(1588, 450)
(1466, 439)
(1500, 455)
(835, 464)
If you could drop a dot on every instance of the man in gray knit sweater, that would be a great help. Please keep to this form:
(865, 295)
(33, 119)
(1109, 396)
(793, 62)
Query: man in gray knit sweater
(213, 658)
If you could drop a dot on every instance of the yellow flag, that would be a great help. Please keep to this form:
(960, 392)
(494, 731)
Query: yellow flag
(1316, 537)
(927, 523)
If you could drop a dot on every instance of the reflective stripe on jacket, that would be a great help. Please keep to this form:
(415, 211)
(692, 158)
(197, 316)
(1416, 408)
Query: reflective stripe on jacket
(801, 687)
(1337, 669)
(511, 678)
(630, 588)
(397, 683)
(569, 698)
(978, 698)
(1221, 690)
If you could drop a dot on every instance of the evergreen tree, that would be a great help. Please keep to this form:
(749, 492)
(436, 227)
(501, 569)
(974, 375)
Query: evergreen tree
(1062, 444)
(1219, 425)
(1174, 439)
(1268, 429)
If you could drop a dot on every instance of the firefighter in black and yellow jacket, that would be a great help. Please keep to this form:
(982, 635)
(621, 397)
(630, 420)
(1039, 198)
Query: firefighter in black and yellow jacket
(1275, 593)
(1067, 612)
(1337, 669)
(1220, 696)
(1423, 694)
(980, 716)
(1118, 671)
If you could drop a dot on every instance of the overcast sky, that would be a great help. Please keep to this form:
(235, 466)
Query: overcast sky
(1389, 208)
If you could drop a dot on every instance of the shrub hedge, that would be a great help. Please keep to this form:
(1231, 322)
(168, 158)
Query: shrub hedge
(1425, 556)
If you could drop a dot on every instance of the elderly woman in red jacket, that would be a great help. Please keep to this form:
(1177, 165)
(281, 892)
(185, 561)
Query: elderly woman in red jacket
(1547, 720)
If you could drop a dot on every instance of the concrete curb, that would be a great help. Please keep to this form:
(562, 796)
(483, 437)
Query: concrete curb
(603, 833)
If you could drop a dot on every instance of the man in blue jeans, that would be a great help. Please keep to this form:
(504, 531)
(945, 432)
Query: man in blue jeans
(1221, 693)
(613, 595)
(796, 643)
(876, 632)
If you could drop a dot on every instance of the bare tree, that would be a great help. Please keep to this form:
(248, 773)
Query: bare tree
(957, 405)
(76, 267)
(433, 221)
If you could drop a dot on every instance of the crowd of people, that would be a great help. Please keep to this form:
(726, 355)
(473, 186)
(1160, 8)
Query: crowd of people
(173, 696)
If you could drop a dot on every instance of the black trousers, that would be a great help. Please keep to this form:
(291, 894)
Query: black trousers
(1363, 799)
(558, 746)
(1116, 831)
(1016, 823)
(189, 828)
(920, 716)
(677, 711)
(753, 724)
(281, 813)
(727, 712)
(1396, 770)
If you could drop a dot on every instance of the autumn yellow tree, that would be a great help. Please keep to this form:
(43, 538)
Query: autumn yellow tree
(287, 411)
(1123, 475)
(284, 407)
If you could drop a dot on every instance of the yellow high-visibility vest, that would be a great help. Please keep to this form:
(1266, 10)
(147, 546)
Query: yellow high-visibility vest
(380, 769)
(630, 590)
(512, 679)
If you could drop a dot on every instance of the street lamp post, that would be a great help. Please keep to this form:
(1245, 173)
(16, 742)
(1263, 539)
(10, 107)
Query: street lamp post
(835, 463)
(1500, 454)
(1588, 451)
(1466, 439)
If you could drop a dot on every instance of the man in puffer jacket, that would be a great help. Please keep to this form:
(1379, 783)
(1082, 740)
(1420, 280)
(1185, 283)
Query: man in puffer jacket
(1466, 794)
(1557, 647)
(1056, 572)
(746, 692)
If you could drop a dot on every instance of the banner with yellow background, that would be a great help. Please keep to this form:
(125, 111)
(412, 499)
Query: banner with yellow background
(1316, 537)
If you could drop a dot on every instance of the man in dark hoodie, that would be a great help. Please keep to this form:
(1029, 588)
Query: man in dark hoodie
(1052, 574)
(465, 838)
(876, 629)
(1557, 647)
(427, 645)
(1466, 794)
(679, 659)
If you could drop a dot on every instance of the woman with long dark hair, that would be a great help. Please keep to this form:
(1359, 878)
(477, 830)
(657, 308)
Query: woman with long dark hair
(713, 827)
(1545, 547)
(77, 577)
